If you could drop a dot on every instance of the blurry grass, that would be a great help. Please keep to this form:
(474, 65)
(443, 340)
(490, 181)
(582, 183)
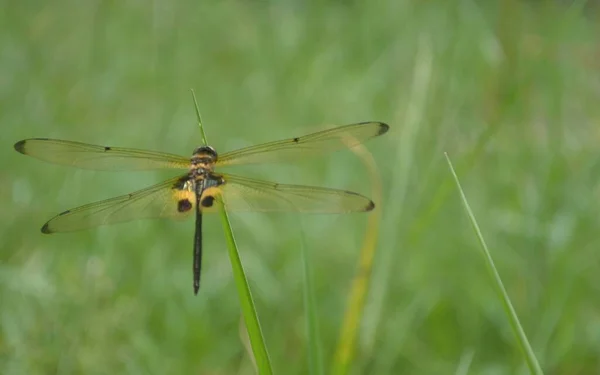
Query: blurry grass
(408, 131)
(259, 349)
(511, 94)
(352, 321)
(509, 310)
(315, 354)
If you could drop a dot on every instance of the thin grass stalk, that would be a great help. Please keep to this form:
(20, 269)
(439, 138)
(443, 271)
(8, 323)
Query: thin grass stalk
(513, 319)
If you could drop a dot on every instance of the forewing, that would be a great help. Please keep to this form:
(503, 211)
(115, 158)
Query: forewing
(169, 199)
(246, 194)
(87, 156)
(309, 145)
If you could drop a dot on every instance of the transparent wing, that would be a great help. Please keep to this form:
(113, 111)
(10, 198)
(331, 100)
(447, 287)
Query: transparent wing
(312, 144)
(83, 155)
(171, 198)
(246, 194)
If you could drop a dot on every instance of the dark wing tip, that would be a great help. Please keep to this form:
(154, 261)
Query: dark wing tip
(383, 128)
(45, 229)
(367, 207)
(20, 146)
(370, 206)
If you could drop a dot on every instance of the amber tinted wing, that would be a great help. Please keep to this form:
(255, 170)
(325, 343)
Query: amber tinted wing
(83, 155)
(308, 145)
(246, 194)
(168, 199)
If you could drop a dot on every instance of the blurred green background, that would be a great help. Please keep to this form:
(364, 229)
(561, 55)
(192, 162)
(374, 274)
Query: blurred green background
(509, 89)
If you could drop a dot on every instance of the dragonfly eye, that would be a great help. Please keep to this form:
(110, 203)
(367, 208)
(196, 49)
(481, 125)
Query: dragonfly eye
(205, 152)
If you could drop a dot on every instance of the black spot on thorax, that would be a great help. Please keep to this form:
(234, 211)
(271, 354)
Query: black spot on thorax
(184, 205)
(208, 201)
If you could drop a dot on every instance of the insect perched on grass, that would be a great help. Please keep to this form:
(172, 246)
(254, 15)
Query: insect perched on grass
(178, 197)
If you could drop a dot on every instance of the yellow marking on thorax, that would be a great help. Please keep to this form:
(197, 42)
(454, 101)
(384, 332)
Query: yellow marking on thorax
(186, 193)
(209, 197)
(214, 191)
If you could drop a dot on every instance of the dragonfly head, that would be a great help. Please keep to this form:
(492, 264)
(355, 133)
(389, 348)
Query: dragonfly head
(205, 151)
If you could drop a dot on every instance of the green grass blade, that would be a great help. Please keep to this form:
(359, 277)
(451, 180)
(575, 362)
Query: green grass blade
(199, 117)
(259, 348)
(532, 362)
(315, 354)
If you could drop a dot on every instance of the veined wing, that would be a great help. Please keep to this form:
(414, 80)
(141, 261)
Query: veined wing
(87, 156)
(312, 144)
(171, 199)
(246, 194)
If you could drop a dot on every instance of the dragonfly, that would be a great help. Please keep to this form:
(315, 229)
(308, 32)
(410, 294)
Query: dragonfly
(195, 192)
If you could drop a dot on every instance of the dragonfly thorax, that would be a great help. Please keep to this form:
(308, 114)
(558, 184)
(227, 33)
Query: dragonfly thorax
(204, 157)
